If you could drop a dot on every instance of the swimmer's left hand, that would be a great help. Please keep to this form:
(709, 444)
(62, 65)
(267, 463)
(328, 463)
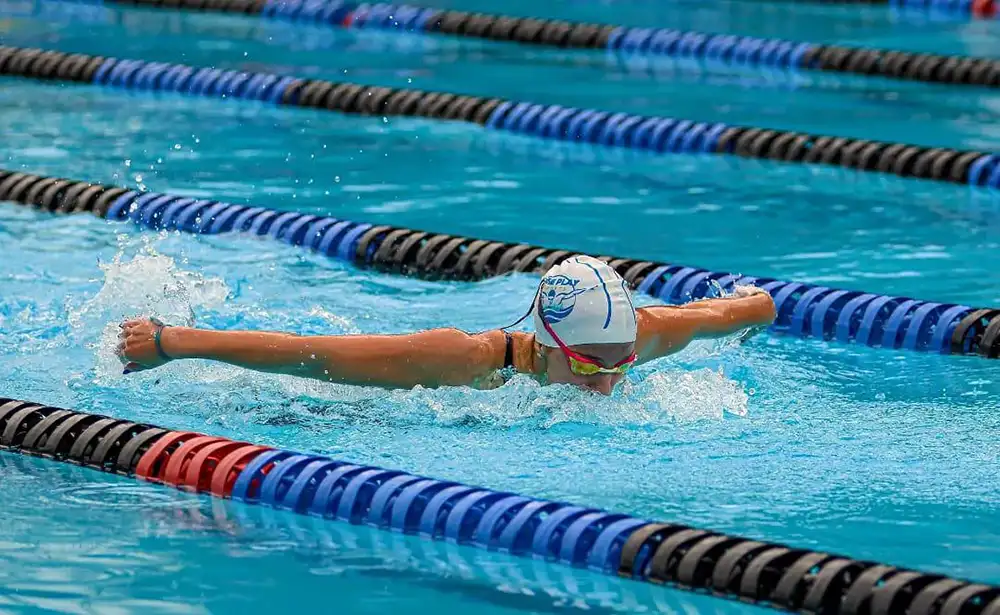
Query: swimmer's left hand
(137, 347)
(747, 291)
(742, 292)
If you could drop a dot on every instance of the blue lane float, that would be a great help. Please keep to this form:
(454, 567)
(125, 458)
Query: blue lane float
(715, 564)
(555, 122)
(803, 310)
(721, 48)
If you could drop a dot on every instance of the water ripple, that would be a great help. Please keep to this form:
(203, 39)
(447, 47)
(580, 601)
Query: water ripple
(120, 496)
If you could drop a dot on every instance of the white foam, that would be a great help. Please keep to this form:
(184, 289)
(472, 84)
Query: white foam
(663, 397)
(149, 284)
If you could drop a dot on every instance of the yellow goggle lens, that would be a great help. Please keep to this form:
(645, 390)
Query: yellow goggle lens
(581, 368)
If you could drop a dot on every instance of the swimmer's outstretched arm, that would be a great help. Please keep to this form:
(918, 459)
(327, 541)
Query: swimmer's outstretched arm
(439, 357)
(667, 329)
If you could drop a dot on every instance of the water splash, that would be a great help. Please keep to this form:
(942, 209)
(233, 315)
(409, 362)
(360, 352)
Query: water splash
(658, 398)
(153, 284)
(150, 284)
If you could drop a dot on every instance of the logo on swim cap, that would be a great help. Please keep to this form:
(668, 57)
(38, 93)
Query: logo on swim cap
(558, 297)
(586, 302)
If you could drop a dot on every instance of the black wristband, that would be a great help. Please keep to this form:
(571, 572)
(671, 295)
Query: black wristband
(156, 339)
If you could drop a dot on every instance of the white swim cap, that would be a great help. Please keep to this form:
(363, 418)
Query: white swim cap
(585, 302)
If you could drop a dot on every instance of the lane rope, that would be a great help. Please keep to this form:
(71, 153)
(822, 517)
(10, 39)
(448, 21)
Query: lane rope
(754, 571)
(554, 122)
(980, 9)
(803, 310)
(286, 33)
(528, 581)
(743, 51)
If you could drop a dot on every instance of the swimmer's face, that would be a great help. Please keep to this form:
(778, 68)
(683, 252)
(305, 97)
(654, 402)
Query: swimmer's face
(559, 372)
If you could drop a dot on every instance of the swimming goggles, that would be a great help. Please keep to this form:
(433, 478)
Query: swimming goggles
(585, 366)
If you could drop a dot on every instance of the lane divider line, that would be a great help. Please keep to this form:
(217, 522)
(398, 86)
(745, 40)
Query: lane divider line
(803, 310)
(743, 51)
(712, 563)
(554, 122)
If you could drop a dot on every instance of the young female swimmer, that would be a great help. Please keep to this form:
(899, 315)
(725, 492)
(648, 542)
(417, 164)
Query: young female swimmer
(587, 333)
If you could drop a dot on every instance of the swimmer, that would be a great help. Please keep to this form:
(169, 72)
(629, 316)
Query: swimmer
(587, 333)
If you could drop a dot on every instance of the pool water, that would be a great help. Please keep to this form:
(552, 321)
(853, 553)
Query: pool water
(877, 454)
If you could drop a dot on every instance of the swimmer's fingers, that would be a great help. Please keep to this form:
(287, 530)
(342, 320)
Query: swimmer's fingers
(138, 324)
(121, 351)
(132, 366)
(136, 331)
(137, 347)
(747, 291)
(131, 326)
(126, 334)
(129, 342)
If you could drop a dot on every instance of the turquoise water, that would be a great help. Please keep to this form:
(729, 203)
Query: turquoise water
(872, 453)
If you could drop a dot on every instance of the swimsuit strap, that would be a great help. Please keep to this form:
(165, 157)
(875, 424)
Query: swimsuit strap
(508, 357)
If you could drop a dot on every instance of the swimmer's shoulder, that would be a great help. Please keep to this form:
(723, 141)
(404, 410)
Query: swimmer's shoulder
(513, 353)
(519, 352)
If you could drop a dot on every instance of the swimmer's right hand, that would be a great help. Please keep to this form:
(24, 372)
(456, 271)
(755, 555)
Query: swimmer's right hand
(138, 347)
